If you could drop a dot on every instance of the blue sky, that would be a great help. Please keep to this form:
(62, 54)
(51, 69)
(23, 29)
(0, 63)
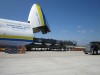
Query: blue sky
(77, 20)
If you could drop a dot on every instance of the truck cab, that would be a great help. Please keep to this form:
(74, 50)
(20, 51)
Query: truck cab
(89, 48)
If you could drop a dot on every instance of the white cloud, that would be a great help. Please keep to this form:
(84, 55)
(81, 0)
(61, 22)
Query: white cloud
(64, 31)
(78, 30)
(81, 31)
(91, 31)
(79, 26)
(85, 31)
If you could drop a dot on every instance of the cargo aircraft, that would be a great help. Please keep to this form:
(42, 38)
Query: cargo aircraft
(17, 33)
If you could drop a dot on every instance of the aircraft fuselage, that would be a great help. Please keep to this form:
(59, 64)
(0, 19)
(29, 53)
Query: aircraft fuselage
(15, 33)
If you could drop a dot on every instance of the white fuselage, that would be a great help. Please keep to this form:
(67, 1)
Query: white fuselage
(15, 33)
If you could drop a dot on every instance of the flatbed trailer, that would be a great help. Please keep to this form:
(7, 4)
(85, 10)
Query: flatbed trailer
(41, 44)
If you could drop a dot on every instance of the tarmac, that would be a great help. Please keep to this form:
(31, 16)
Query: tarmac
(49, 63)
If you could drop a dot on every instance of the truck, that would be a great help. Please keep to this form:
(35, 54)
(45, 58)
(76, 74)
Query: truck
(89, 47)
